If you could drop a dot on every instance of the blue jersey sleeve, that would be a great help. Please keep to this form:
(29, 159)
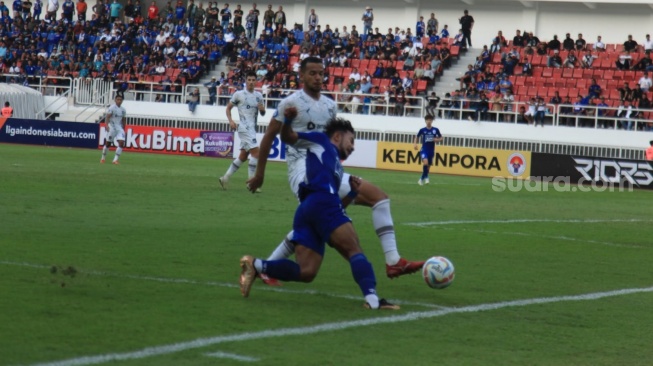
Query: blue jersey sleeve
(437, 133)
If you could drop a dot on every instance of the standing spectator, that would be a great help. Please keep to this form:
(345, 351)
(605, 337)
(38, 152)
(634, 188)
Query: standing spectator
(116, 8)
(27, 8)
(68, 10)
(17, 8)
(191, 11)
(540, 111)
(467, 23)
(368, 21)
(649, 152)
(648, 44)
(81, 10)
(313, 20)
(580, 42)
(256, 13)
(53, 6)
(280, 18)
(250, 22)
(432, 25)
(212, 14)
(8, 111)
(129, 11)
(630, 45)
(568, 44)
(432, 104)
(38, 8)
(420, 27)
(554, 44)
(193, 100)
(153, 11)
(268, 16)
(212, 87)
(238, 14)
(200, 15)
(225, 16)
(180, 12)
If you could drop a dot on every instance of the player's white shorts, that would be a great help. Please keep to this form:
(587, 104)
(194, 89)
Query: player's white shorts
(297, 174)
(247, 135)
(116, 134)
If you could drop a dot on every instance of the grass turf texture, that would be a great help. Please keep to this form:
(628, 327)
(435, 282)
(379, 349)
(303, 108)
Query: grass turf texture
(127, 228)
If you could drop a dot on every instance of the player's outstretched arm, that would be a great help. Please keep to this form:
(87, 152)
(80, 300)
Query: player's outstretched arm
(288, 135)
(256, 181)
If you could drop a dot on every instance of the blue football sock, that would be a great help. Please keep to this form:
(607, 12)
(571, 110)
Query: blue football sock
(363, 274)
(282, 269)
(425, 171)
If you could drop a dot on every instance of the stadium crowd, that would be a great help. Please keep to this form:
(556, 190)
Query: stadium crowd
(611, 82)
(174, 46)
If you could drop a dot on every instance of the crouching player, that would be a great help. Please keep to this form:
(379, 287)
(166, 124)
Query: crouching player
(320, 217)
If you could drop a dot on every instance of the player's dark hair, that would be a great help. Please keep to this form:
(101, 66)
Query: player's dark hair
(250, 73)
(309, 60)
(429, 116)
(338, 125)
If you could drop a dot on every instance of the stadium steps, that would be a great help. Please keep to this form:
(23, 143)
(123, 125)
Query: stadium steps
(447, 82)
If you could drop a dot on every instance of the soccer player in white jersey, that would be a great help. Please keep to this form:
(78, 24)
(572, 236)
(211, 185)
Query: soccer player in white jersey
(249, 104)
(314, 110)
(115, 126)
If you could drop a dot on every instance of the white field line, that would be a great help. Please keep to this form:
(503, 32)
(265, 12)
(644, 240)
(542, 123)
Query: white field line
(232, 356)
(519, 221)
(554, 237)
(223, 284)
(329, 327)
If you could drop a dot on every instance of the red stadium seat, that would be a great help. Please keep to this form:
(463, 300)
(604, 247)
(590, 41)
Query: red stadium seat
(547, 72)
(567, 73)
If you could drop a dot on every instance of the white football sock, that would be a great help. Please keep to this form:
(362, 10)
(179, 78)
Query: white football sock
(233, 167)
(385, 230)
(118, 152)
(373, 300)
(104, 151)
(258, 264)
(283, 250)
(252, 166)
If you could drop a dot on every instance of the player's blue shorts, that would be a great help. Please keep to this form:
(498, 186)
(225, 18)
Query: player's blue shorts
(316, 218)
(427, 155)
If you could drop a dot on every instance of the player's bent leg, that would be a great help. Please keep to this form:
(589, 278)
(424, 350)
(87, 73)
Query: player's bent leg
(345, 240)
(372, 196)
(309, 263)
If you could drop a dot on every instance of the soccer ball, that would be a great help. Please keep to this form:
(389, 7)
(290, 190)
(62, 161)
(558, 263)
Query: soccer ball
(438, 272)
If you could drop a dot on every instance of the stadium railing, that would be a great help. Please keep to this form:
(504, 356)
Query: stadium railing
(46, 85)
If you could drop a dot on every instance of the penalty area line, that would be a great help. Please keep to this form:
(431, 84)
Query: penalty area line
(330, 327)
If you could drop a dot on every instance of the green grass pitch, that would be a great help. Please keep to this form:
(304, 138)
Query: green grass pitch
(155, 244)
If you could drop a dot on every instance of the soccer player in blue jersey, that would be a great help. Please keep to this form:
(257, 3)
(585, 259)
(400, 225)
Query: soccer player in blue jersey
(320, 217)
(429, 136)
